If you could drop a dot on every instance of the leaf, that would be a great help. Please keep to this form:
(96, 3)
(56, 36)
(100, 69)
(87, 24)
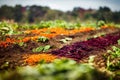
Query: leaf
(47, 47)
(21, 43)
(113, 60)
(41, 48)
(38, 49)
(5, 29)
(42, 39)
(100, 23)
(118, 42)
(33, 50)
(116, 52)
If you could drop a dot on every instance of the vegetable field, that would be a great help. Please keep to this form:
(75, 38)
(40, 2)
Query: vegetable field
(58, 50)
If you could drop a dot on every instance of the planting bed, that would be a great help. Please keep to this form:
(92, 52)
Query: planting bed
(47, 44)
(16, 54)
(81, 49)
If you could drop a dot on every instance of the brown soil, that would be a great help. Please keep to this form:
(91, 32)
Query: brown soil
(14, 54)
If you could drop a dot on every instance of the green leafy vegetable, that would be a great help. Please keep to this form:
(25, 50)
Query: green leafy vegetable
(41, 48)
(42, 39)
(100, 23)
(5, 29)
(38, 49)
(47, 47)
(113, 60)
(119, 42)
(21, 44)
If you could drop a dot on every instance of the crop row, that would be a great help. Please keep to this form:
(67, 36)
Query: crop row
(49, 33)
(36, 58)
(79, 50)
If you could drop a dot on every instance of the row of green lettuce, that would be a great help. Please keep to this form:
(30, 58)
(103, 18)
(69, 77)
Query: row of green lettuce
(10, 28)
(49, 24)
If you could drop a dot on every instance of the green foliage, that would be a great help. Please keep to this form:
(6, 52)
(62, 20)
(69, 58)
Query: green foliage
(64, 69)
(42, 39)
(38, 49)
(51, 24)
(21, 44)
(45, 24)
(113, 60)
(59, 23)
(100, 23)
(118, 42)
(115, 53)
(47, 47)
(5, 29)
(41, 48)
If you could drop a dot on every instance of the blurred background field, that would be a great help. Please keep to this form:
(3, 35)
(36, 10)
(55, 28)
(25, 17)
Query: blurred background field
(28, 11)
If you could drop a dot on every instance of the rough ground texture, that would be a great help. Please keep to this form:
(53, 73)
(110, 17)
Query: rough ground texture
(14, 54)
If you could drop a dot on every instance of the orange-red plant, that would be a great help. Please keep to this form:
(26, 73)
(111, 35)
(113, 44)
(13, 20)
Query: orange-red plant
(43, 32)
(6, 42)
(56, 31)
(35, 58)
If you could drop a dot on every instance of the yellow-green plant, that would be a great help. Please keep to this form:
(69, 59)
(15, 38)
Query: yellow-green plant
(5, 29)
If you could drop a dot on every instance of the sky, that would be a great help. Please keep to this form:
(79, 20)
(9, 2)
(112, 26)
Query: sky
(66, 5)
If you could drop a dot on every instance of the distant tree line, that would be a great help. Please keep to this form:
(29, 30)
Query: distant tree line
(35, 13)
